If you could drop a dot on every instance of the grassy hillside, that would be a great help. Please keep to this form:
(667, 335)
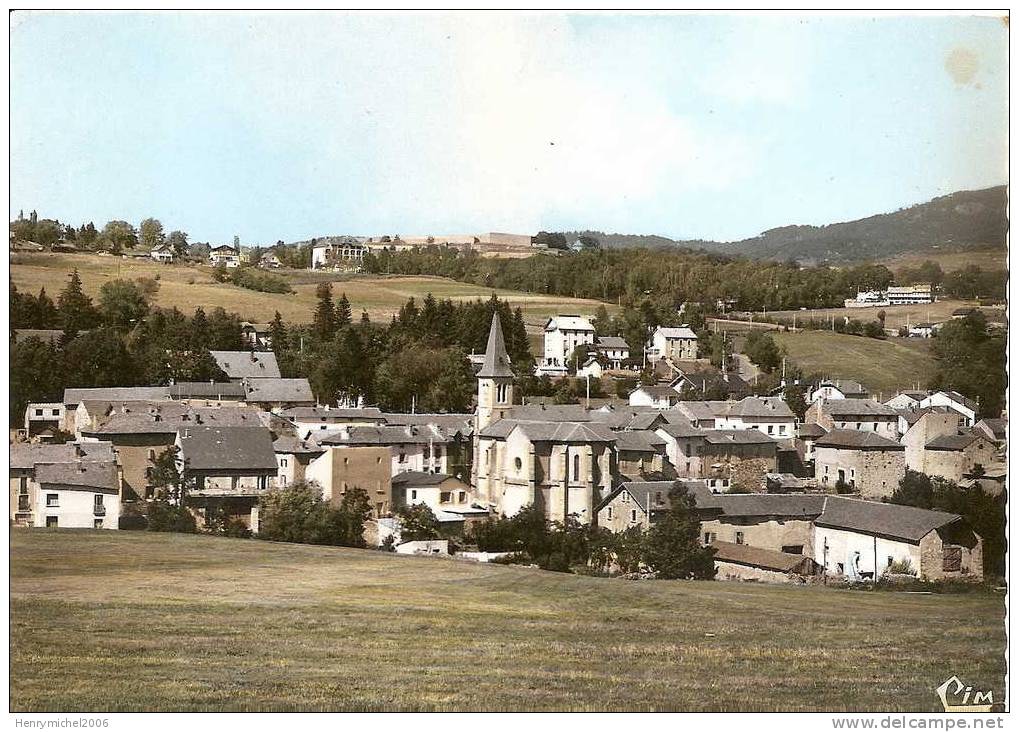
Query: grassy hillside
(884, 366)
(119, 621)
(190, 286)
(896, 316)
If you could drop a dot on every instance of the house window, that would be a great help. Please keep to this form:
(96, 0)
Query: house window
(56, 412)
(23, 503)
(951, 559)
(445, 496)
(438, 453)
(23, 486)
(463, 497)
(283, 480)
(709, 537)
(52, 499)
(152, 455)
(771, 429)
(346, 461)
(97, 523)
(793, 548)
(518, 463)
(658, 497)
(283, 462)
(403, 457)
(610, 513)
(38, 412)
(98, 502)
(427, 452)
(413, 495)
(51, 522)
(633, 514)
(576, 468)
(739, 537)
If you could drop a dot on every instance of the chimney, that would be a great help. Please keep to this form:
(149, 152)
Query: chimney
(186, 434)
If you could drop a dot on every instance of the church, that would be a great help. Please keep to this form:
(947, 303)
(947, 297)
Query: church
(564, 467)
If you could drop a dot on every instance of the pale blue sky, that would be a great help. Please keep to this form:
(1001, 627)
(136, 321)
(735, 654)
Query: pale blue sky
(278, 126)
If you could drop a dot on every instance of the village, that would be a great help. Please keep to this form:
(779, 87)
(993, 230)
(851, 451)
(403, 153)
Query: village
(779, 499)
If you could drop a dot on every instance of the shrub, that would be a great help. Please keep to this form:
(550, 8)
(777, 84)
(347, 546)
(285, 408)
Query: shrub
(260, 281)
(164, 516)
(901, 566)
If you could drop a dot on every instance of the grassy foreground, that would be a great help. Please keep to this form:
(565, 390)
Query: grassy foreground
(119, 621)
(883, 366)
(187, 286)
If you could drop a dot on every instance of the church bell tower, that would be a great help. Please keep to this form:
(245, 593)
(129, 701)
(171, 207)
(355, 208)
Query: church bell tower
(495, 380)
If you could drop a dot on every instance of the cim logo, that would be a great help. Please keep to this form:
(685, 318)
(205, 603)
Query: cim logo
(958, 697)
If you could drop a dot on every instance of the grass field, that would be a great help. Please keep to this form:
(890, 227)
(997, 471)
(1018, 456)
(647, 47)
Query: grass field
(884, 366)
(895, 315)
(108, 621)
(949, 261)
(190, 286)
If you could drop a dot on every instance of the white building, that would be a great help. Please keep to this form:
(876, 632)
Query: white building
(344, 254)
(162, 253)
(656, 395)
(769, 415)
(910, 294)
(677, 344)
(82, 494)
(836, 389)
(615, 349)
(225, 255)
(563, 334)
(955, 401)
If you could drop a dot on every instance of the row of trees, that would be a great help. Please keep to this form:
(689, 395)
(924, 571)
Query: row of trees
(114, 237)
(671, 548)
(969, 283)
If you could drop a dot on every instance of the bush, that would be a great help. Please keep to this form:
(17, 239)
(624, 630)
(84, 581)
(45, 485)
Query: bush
(219, 273)
(901, 566)
(299, 514)
(166, 517)
(260, 281)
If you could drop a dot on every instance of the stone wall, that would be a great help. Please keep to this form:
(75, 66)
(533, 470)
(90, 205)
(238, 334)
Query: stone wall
(874, 473)
(765, 533)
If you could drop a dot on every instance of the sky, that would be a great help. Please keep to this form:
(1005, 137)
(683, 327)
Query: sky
(288, 126)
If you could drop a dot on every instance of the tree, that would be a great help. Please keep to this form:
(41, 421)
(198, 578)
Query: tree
(324, 321)
(98, 358)
(277, 334)
(417, 522)
(762, 350)
(672, 547)
(970, 359)
(117, 236)
(36, 375)
(342, 311)
(150, 233)
(179, 241)
(299, 514)
(122, 303)
(75, 307)
(164, 476)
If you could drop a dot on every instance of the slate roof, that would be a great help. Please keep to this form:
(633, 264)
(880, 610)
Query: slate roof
(846, 386)
(26, 455)
(552, 431)
(205, 390)
(612, 343)
(79, 475)
(227, 448)
(117, 394)
(857, 440)
(638, 441)
(449, 424)
(882, 519)
(702, 410)
(959, 398)
(253, 364)
(752, 556)
(677, 333)
(682, 429)
(551, 412)
(497, 362)
(167, 417)
(418, 477)
(856, 407)
(760, 407)
(278, 390)
(789, 505)
(737, 437)
(810, 429)
(997, 426)
(290, 445)
(333, 414)
(659, 391)
(384, 435)
(569, 322)
(911, 416)
(955, 442)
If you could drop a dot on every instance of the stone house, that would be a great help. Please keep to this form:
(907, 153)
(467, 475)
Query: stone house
(684, 447)
(162, 253)
(864, 415)
(868, 463)
(226, 255)
(71, 485)
(615, 349)
(958, 455)
(293, 455)
(776, 522)
(996, 429)
(43, 417)
(745, 563)
(440, 492)
(340, 469)
(422, 448)
(769, 415)
(641, 453)
(862, 539)
(310, 420)
(673, 344)
(275, 394)
(633, 504)
(926, 425)
(909, 399)
(744, 457)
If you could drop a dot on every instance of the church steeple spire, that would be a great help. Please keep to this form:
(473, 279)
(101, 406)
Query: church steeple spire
(495, 379)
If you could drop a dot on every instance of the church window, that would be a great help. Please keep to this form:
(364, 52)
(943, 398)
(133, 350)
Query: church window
(576, 468)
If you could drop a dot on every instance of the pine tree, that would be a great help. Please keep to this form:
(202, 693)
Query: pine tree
(278, 334)
(342, 313)
(200, 328)
(672, 547)
(324, 322)
(75, 308)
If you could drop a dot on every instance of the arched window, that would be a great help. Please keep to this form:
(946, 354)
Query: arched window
(576, 468)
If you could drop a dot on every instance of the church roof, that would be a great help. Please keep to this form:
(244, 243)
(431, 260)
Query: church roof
(496, 359)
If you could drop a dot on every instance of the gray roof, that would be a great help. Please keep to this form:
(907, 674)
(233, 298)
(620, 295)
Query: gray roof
(551, 412)
(290, 445)
(753, 556)
(810, 429)
(117, 394)
(653, 493)
(956, 442)
(79, 475)
(160, 418)
(997, 426)
(497, 363)
(846, 386)
(612, 342)
(278, 390)
(638, 441)
(882, 519)
(253, 364)
(659, 391)
(857, 440)
(789, 505)
(418, 477)
(205, 390)
(760, 407)
(682, 429)
(448, 423)
(911, 416)
(334, 414)
(737, 437)
(702, 410)
(227, 448)
(552, 431)
(856, 407)
(26, 455)
(385, 435)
